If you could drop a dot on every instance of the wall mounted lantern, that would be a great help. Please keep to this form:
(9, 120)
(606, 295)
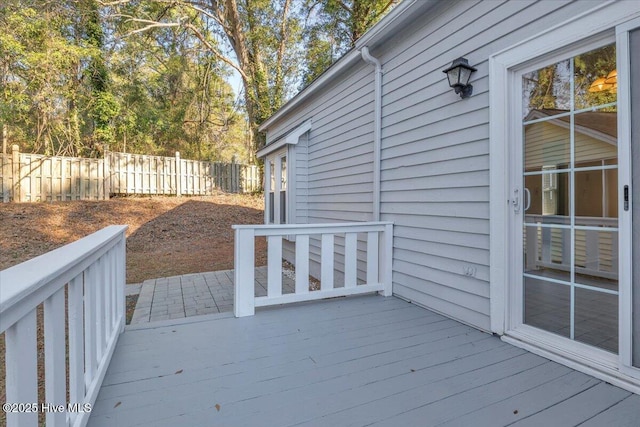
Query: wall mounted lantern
(609, 83)
(459, 74)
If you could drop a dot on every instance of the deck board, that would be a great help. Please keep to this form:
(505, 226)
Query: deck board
(349, 361)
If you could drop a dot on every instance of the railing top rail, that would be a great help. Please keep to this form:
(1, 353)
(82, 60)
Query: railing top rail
(293, 229)
(28, 284)
(560, 219)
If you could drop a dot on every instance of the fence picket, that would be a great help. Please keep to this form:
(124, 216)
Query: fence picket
(34, 177)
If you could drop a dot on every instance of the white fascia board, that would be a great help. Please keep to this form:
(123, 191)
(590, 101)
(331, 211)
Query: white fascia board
(291, 139)
(397, 18)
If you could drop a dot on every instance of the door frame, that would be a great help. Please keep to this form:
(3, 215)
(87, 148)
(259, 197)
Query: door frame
(605, 21)
(625, 249)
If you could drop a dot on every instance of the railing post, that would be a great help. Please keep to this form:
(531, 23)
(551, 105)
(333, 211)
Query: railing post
(244, 274)
(386, 260)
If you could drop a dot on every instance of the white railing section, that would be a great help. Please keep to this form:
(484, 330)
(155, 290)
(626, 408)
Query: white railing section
(91, 272)
(596, 245)
(379, 247)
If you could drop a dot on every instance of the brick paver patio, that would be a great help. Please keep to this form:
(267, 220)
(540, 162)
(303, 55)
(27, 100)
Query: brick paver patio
(194, 294)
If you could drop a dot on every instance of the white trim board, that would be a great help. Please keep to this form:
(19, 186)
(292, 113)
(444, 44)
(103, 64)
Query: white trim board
(596, 21)
(568, 38)
(290, 139)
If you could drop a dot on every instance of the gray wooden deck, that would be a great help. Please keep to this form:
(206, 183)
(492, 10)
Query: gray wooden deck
(350, 361)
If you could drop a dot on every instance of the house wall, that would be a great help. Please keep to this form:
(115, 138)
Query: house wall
(334, 161)
(435, 156)
(435, 148)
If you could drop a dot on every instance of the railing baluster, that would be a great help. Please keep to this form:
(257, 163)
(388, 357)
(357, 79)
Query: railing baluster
(244, 274)
(302, 264)
(111, 290)
(350, 260)
(54, 357)
(121, 281)
(274, 267)
(76, 343)
(372, 257)
(326, 261)
(22, 369)
(99, 308)
(106, 285)
(90, 325)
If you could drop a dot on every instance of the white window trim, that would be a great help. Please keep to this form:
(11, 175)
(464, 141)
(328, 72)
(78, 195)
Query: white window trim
(276, 151)
(556, 41)
(276, 157)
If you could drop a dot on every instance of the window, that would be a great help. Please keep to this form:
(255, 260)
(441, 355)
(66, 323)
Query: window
(280, 174)
(276, 201)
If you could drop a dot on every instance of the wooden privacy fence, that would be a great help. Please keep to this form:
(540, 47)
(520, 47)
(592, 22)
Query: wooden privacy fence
(35, 177)
(140, 174)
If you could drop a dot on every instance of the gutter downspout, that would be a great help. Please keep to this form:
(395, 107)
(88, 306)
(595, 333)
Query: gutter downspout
(377, 131)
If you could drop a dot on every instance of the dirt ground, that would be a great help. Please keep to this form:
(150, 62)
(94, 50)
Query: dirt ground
(167, 236)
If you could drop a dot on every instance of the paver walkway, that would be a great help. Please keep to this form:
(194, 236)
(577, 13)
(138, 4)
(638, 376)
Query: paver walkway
(194, 294)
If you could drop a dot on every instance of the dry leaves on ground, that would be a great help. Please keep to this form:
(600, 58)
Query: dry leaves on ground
(167, 236)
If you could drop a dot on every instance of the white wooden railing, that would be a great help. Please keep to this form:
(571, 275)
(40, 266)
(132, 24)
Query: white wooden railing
(91, 272)
(379, 246)
(596, 244)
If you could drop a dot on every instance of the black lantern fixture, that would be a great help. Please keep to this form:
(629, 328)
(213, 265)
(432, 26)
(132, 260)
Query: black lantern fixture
(459, 74)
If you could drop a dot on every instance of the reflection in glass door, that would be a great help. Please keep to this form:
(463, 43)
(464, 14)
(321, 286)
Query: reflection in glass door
(570, 173)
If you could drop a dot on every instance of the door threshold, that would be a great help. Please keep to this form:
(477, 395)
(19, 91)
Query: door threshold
(604, 370)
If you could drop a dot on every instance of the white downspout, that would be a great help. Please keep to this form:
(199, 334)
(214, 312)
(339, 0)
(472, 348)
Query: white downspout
(377, 131)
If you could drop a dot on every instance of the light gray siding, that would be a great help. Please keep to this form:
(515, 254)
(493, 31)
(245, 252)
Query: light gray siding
(435, 147)
(301, 160)
(338, 152)
(334, 161)
(435, 150)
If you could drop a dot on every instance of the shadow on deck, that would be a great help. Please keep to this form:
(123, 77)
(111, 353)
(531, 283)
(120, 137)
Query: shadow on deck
(348, 361)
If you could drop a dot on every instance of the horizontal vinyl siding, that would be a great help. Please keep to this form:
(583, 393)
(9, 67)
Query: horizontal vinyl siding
(435, 147)
(338, 158)
(435, 157)
(302, 180)
(339, 154)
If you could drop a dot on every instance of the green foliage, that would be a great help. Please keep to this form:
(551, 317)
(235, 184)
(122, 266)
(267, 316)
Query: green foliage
(151, 76)
(334, 27)
(550, 87)
(173, 94)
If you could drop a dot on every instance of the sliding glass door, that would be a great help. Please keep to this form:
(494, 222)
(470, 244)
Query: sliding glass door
(569, 200)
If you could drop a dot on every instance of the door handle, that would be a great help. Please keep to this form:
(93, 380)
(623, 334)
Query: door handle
(528, 195)
(516, 201)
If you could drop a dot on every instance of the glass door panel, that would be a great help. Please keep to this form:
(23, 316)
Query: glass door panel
(570, 231)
